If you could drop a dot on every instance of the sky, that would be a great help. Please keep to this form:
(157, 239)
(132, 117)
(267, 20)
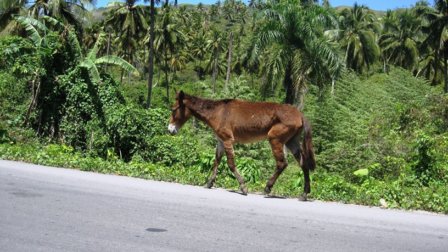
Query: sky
(373, 4)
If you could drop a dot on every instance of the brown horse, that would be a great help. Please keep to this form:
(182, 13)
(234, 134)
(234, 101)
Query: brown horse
(237, 121)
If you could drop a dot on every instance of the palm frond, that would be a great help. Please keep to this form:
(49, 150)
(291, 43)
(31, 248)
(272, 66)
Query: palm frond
(32, 26)
(99, 41)
(71, 34)
(92, 70)
(117, 61)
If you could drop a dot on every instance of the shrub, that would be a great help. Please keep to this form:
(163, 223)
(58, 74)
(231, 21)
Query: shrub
(133, 130)
(171, 150)
(423, 158)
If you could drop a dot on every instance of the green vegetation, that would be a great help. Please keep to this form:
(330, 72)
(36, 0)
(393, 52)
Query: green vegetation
(73, 92)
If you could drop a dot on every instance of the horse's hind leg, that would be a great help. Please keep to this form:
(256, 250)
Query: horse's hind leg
(280, 158)
(307, 189)
(294, 146)
(218, 155)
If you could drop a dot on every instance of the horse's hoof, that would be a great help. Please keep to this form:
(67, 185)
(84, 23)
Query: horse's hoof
(267, 190)
(303, 197)
(209, 184)
(244, 191)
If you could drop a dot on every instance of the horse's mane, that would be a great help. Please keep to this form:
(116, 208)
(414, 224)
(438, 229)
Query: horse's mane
(206, 103)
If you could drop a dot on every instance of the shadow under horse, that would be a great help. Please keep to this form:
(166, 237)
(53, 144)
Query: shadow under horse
(236, 121)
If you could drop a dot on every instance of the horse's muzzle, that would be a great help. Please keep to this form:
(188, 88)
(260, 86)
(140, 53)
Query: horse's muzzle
(172, 129)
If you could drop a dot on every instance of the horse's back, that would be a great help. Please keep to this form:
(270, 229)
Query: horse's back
(265, 112)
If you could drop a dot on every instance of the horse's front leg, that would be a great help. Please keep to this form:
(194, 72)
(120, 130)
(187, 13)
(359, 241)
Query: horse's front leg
(228, 147)
(218, 155)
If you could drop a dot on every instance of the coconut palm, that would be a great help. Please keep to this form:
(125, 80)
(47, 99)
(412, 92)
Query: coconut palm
(128, 20)
(428, 66)
(168, 38)
(198, 49)
(37, 31)
(437, 39)
(293, 48)
(358, 27)
(215, 45)
(400, 40)
(9, 9)
(91, 61)
(69, 11)
(234, 13)
(152, 21)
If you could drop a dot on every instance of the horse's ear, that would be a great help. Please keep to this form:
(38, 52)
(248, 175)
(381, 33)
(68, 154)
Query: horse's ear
(180, 97)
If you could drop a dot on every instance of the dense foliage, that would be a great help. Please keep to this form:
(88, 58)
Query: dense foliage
(373, 85)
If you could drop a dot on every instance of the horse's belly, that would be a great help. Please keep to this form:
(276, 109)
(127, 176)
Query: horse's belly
(249, 138)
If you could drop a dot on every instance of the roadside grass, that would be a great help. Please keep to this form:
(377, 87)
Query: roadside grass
(406, 192)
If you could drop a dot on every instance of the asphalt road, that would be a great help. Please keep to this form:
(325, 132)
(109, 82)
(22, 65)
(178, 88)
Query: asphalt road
(55, 209)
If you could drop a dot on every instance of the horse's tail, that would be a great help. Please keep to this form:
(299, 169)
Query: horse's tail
(309, 162)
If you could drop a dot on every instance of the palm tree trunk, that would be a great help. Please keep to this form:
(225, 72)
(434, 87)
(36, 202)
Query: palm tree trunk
(151, 54)
(215, 69)
(288, 85)
(251, 80)
(436, 69)
(229, 60)
(332, 86)
(34, 96)
(132, 63)
(106, 67)
(445, 71)
(166, 78)
(108, 44)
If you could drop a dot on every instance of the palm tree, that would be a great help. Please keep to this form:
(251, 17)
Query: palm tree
(9, 9)
(152, 21)
(37, 31)
(91, 61)
(400, 39)
(168, 39)
(214, 12)
(129, 22)
(91, 34)
(437, 39)
(69, 11)
(215, 45)
(292, 45)
(234, 13)
(198, 49)
(428, 66)
(358, 37)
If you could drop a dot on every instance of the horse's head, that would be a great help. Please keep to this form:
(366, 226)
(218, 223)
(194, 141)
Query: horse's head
(179, 115)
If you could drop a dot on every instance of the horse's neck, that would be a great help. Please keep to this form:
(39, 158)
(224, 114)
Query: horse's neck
(202, 109)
